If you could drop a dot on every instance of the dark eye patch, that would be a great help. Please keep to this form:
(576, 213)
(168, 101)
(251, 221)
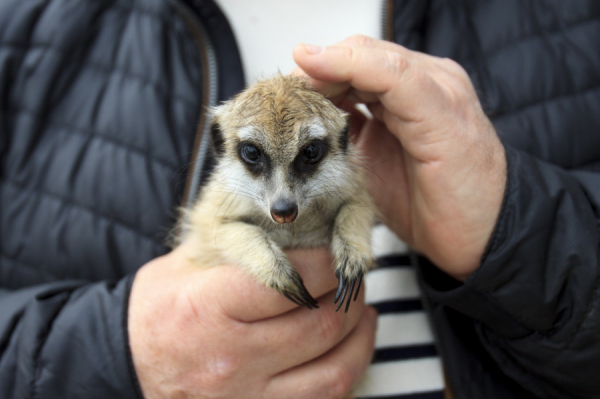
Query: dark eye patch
(253, 158)
(314, 152)
(309, 157)
(250, 153)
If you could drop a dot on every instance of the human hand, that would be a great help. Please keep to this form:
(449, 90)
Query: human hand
(217, 333)
(437, 169)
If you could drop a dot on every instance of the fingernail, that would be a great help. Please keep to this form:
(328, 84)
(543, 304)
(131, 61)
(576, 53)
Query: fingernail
(313, 49)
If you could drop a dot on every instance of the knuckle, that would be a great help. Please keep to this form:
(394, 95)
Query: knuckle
(359, 40)
(423, 79)
(451, 64)
(354, 56)
(455, 68)
(395, 62)
(330, 327)
(341, 380)
(219, 372)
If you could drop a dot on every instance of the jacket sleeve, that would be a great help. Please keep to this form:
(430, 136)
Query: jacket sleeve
(536, 296)
(66, 340)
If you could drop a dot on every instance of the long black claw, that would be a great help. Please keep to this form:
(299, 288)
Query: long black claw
(343, 296)
(309, 300)
(345, 290)
(312, 300)
(360, 277)
(288, 296)
(303, 300)
(339, 289)
(298, 300)
(300, 295)
(307, 297)
(350, 296)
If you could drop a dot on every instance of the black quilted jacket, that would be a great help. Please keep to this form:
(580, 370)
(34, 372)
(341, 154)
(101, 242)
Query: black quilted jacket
(101, 138)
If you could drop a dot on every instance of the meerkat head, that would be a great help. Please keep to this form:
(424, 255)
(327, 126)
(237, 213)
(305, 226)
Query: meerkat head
(284, 145)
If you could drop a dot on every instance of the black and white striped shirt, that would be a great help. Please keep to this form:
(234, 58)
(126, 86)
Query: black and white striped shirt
(406, 364)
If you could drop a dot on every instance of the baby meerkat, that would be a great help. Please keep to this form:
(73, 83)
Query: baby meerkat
(286, 176)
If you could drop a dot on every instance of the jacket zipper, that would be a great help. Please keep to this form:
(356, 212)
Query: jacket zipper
(387, 28)
(209, 99)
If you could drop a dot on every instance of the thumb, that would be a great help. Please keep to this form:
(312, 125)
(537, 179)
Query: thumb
(307, 57)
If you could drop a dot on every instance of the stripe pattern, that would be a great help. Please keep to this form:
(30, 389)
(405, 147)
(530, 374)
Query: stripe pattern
(406, 364)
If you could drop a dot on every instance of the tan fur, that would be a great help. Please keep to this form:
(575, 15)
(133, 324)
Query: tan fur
(231, 222)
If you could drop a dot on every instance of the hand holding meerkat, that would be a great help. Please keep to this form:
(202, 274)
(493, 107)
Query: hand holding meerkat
(286, 176)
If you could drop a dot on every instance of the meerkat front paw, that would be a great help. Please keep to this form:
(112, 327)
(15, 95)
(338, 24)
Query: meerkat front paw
(350, 269)
(289, 283)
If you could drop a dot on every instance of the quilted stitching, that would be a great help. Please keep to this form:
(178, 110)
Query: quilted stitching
(76, 206)
(107, 137)
(523, 108)
(159, 156)
(558, 30)
(18, 266)
(106, 69)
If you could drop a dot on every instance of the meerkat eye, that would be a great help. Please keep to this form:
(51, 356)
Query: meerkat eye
(314, 151)
(250, 153)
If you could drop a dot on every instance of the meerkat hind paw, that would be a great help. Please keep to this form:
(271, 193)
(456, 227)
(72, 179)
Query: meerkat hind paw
(343, 285)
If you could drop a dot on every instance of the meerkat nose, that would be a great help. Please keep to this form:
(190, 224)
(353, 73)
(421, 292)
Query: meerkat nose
(284, 211)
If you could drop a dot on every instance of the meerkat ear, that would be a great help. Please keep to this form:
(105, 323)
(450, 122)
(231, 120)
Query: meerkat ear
(218, 142)
(343, 139)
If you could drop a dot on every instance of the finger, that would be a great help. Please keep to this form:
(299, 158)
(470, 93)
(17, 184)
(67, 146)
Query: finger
(356, 41)
(243, 298)
(425, 60)
(332, 90)
(405, 89)
(302, 335)
(376, 110)
(358, 96)
(337, 92)
(444, 71)
(334, 374)
(436, 66)
(386, 177)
